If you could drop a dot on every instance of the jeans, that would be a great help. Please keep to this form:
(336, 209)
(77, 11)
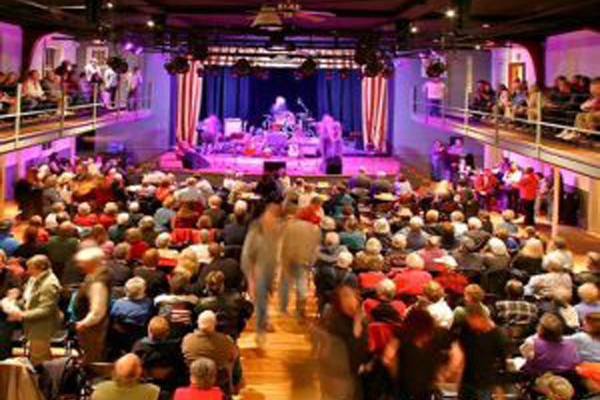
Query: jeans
(435, 107)
(469, 392)
(264, 283)
(295, 276)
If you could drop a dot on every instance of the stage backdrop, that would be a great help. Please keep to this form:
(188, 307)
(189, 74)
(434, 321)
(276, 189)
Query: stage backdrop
(250, 98)
(360, 104)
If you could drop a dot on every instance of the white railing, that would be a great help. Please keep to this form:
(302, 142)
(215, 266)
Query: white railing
(472, 118)
(67, 116)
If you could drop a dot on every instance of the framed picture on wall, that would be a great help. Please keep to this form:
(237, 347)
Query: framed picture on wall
(100, 53)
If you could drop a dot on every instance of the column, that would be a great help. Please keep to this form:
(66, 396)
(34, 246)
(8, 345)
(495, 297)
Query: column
(2, 185)
(492, 156)
(593, 207)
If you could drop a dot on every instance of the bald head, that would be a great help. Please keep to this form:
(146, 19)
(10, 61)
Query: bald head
(127, 369)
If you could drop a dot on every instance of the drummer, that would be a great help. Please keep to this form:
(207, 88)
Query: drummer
(279, 109)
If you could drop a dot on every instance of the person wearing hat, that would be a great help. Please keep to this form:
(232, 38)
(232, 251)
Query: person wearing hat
(8, 243)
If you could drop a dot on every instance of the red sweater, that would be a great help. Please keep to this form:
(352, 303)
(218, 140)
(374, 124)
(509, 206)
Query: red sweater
(310, 214)
(412, 281)
(85, 220)
(194, 393)
(528, 186)
(138, 249)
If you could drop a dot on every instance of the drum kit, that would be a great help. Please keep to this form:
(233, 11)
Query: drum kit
(281, 134)
(290, 124)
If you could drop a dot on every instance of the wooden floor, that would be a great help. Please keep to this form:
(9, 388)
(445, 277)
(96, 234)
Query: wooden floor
(286, 369)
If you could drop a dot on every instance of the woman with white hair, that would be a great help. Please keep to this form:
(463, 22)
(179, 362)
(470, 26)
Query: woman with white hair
(529, 259)
(85, 217)
(370, 259)
(382, 232)
(109, 217)
(412, 280)
(496, 255)
(163, 242)
(129, 316)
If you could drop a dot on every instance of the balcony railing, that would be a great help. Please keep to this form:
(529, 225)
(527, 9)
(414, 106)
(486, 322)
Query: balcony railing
(19, 128)
(539, 137)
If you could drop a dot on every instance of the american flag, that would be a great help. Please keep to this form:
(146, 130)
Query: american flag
(189, 101)
(375, 112)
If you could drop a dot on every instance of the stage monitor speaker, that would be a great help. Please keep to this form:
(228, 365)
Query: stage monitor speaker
(273, 166)
(193, 160)
(334, 166)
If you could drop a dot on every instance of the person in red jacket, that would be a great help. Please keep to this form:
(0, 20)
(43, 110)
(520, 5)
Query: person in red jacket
(203, 375)
(412, 280)
(138, 246)
(485, 185)
(85, 218)
(528, 186)
(312, 212)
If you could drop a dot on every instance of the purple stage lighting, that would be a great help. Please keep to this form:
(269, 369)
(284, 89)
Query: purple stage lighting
(128, 46)
(138, 51)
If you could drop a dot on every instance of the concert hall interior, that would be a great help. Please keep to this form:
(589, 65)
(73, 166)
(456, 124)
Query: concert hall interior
(299, 199)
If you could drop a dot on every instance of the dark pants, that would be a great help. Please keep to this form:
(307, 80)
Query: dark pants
(512, 198)
(6, 332)
(528, 207)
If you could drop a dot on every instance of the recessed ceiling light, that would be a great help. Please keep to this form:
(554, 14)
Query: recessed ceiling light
(477, 47)
(486, 26)
(414, 29)
(150, 23)
(451, 13)
(110, 5)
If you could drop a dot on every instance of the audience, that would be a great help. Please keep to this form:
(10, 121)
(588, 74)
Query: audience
(412, 284)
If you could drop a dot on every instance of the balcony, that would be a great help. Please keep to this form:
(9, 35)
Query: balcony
(536, 139)
(19, 130)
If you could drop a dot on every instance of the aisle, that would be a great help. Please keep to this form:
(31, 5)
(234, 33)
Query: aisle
(286, 370)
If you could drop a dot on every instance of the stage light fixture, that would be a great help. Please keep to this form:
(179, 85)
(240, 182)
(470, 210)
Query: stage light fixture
(128, 46)
(477, 46)
(138, 51)
(373, 68)
(414, 29)
(308, 67)
(200, 52)
(151, 24)
(486, 26)
(242, 67)
(110, 5)
(178, 65)
(451, 13)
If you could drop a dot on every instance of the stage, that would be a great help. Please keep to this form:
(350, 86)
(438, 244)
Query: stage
(302, 167)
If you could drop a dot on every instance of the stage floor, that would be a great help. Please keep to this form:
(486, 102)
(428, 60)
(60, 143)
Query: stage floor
(223, 163)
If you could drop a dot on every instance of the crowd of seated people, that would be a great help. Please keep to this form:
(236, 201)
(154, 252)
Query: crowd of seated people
(64, 86)
(148, 271)
(574, 102)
